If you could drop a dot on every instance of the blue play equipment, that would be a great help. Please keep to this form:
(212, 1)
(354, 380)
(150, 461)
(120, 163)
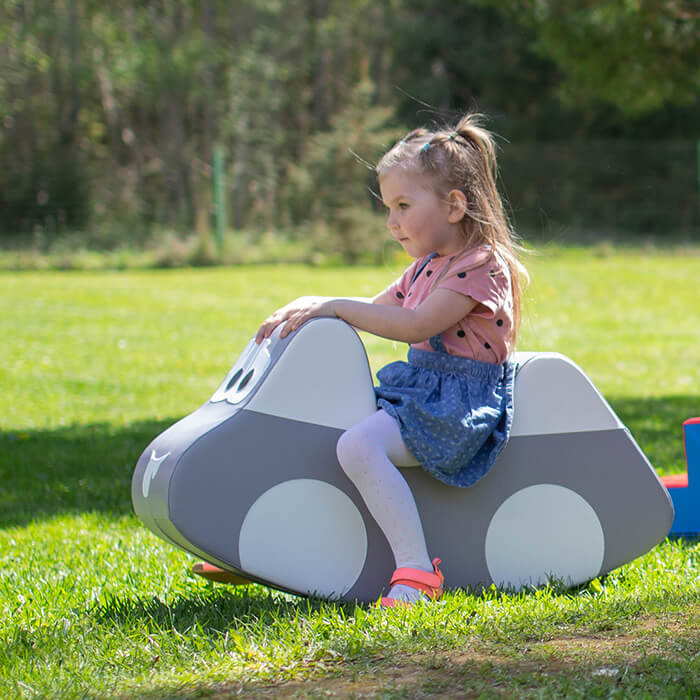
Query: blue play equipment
(684, 489)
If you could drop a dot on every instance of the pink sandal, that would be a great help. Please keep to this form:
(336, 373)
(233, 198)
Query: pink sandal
(429, 583)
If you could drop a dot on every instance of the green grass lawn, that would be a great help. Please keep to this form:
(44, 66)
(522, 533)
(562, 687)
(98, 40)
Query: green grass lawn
(92, 605)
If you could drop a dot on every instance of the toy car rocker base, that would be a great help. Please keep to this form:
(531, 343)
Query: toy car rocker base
(250, 481)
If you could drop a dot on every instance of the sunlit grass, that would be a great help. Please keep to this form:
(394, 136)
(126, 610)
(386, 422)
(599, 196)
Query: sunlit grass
(93, 605)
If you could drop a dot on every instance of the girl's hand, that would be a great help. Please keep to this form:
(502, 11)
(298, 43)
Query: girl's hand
(294, 314)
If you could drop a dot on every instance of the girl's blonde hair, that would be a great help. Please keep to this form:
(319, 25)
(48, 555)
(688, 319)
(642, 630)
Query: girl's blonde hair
(464, 158)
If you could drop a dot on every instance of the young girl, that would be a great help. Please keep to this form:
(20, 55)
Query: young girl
(449, 407)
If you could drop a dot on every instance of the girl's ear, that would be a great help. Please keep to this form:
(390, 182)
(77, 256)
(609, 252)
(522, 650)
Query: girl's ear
(457, 206)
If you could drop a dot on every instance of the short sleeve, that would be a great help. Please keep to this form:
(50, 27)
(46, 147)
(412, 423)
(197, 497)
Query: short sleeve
(482, 276)
(399, 288)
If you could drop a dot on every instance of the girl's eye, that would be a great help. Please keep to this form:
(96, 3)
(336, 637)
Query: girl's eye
(403, 205)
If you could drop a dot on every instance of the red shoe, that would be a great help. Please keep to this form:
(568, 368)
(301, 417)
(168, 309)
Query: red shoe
(214, 573)
(428, 583)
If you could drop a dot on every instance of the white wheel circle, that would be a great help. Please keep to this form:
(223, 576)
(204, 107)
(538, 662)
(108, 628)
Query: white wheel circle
(544, 532)
(305, 535)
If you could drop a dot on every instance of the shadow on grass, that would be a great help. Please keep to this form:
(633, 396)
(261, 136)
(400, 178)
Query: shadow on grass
(641, 654)
(662, 672)
(83, 468)
(212, 609)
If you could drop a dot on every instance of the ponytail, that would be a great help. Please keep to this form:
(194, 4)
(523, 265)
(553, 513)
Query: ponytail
(464, 158)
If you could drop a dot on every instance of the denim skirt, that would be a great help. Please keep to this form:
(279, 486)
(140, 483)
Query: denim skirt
(454, 413)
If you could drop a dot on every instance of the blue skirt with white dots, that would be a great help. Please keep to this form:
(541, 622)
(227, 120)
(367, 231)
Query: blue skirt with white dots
(454, 413)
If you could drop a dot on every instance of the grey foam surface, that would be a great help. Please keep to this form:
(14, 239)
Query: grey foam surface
(224, 457)
(226, 470)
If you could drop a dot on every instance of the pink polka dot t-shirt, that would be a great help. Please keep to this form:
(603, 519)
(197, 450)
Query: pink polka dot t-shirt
(478, 273)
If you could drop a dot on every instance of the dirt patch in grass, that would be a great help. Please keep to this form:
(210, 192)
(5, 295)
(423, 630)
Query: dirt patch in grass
(658, 655)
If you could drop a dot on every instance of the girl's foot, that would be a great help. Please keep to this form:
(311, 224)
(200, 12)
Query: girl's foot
(410, 585)
(406, 594)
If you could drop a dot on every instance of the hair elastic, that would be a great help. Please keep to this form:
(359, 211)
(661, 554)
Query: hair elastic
(425, 147)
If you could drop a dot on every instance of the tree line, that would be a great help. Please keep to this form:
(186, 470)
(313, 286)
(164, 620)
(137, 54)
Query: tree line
(110, 111)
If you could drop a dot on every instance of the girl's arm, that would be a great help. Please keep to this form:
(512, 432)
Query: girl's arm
(386, 297)
(311, 306)
(382, 316)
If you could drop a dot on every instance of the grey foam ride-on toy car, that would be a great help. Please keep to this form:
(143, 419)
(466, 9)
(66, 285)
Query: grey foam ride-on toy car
(250, 481)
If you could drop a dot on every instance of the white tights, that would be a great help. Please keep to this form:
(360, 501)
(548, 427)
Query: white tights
(367, 453)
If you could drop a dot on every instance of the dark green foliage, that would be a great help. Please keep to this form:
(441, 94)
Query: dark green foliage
(582, 190)
(335, 176)
(109, 111)
(51, 195)
(637, 55)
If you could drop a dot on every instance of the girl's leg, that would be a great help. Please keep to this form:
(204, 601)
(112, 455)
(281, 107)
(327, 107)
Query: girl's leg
(367, 453)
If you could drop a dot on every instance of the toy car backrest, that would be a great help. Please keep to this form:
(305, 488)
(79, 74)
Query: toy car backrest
(553, 395)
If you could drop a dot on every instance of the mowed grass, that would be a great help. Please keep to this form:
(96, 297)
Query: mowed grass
(92, 605)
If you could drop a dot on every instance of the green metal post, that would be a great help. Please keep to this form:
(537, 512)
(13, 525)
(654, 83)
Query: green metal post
(219, 197)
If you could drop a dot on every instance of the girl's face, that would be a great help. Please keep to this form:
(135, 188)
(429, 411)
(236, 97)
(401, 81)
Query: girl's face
(418, 218)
